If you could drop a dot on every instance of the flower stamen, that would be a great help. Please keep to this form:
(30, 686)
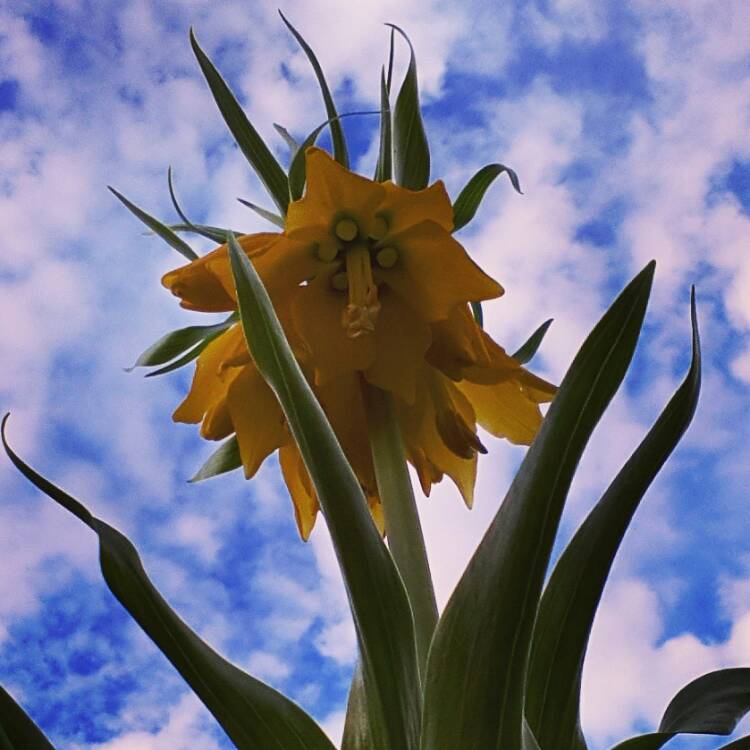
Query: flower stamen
(346, 229)
(387, 257)
(361, 313)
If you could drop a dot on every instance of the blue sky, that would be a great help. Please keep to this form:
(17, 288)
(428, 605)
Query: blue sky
(628, 125)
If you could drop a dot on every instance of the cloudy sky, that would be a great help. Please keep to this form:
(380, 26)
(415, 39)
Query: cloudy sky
(628, 124)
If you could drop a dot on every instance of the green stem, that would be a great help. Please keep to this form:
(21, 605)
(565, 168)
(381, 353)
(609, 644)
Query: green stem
(402, 524)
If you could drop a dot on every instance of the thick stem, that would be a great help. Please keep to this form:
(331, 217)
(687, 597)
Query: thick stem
(402, 524)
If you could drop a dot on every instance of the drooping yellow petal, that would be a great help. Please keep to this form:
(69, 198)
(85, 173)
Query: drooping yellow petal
(211, 379)
(300, 488)
(504, 410)
(457, 344)
(401, 340)
(434, 274)
(402, 208)
(257, 418)
(332, 193)
(316, 314)
(197, 284)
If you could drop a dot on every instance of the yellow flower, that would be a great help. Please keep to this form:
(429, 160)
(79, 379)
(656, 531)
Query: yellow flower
(372, 290)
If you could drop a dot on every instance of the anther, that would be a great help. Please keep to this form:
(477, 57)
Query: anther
(346, 229)
(340, 282)
(387, 257)
(379, 228)
(326, 251)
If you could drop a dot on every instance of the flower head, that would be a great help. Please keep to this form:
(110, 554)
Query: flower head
(372, 291)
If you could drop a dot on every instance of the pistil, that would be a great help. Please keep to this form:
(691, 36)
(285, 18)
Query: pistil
(360, 315)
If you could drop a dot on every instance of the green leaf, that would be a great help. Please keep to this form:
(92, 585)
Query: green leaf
(337, 134)
(176, 342)
(476, 309)
(263, 212)
(356, 725)
(410, 148)
(225, 458)
(530, 347)
(478, 660)
(17, 730)
(252, 714)
(528, 739)
(157, 227)
(711, 704)
(251, 144)
(380, 608)
(217, 234)
(467, 203)
(571, 597)
(289, 139)
(186, 358)
(384, 167)
(210, 232)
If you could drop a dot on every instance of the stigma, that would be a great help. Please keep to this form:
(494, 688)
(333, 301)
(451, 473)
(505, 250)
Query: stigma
(361, 314)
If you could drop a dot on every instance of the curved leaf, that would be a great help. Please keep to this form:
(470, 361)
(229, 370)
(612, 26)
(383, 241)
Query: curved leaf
(572, 595)
(479, 656)
(17, 730)
(384, 167)
(157, 227)
(176, 342)
(263, 212)
(252, 714)
(186, 358)
(411, 152)
(251, 144)
(217, 234)
(711, 704)
(225, 458)
(467, 203)
(530, 347)
(380, 608)
(337, 134)
(356, 726)
(209, 232)
(289, 139)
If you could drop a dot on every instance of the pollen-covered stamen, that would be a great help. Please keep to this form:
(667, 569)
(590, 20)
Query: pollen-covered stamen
(379, 228)
(346, 229)
(387, 257)
(327, 250)
(360, 315)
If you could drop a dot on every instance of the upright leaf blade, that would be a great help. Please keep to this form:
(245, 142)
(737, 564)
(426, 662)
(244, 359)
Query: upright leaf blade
(469, 199)
(157, 227)
(530, 347)
(380, 608)
(384, 167)
(478, 660)
(251, 144)
(17, 729)
(262, 212)
(570, 599)
(411, 151)
(337, 133)
(252, 714)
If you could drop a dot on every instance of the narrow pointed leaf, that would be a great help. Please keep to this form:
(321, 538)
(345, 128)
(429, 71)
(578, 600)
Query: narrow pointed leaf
(380, 608)
(410, 148)
(289, 139)
(17, 730)
(337, 133)
(251, 144)
(356, 723)
(225, 458)
(186, 358)
(208, 232)
(476, 309)
(176, 342)
(263, 212)
(478, 660)
(217, 234)
(467, 203)
(384, 167)
(571, 597)
(157, 227)
(528, 739)
(252, 714)
(530, 347)
(711, 704)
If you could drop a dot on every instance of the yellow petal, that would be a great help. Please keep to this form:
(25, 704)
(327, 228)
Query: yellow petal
(434, 274)
(211, 379)
(504, 410)
(257, 418)
(401, 340)
(198, 285)
(404, 208)
(300, 488)
(332, 192)
(376, 511)
(457, 343)
(316, 314)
